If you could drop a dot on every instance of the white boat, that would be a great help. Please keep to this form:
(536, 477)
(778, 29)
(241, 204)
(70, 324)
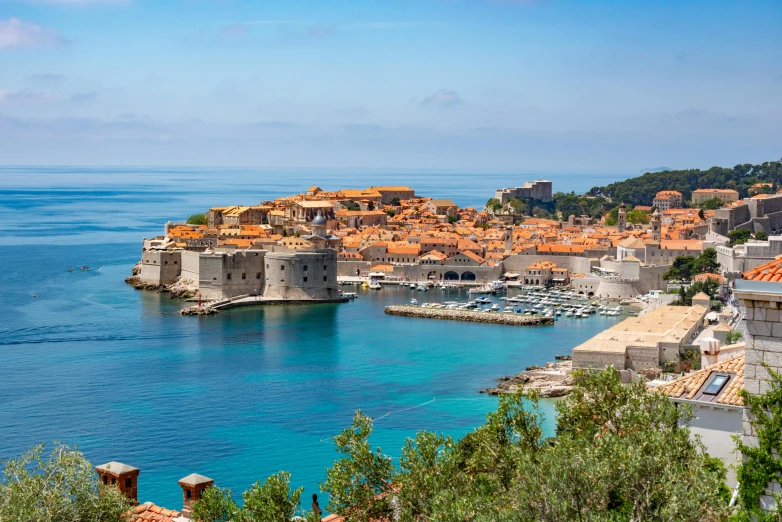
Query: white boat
(412, 285)
(349, 295)
(413, 301)
(375, 286)
(495, 307)
(422, 288)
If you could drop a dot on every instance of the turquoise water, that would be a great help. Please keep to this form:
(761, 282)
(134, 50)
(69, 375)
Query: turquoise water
(236, 396)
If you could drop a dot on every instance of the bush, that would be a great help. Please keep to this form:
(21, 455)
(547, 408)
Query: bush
(197, 219)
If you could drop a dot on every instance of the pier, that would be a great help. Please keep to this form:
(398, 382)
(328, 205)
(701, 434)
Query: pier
(464, 315)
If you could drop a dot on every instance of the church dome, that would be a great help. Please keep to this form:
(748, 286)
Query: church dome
(319, 220)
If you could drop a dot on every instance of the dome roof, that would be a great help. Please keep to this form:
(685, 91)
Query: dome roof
(319, 220)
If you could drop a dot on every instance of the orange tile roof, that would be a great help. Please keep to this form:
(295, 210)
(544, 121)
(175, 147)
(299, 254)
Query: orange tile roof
(151, 512)
(771, 271)
(687, 387)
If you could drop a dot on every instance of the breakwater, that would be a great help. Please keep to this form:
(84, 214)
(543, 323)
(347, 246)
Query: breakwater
(464, 315)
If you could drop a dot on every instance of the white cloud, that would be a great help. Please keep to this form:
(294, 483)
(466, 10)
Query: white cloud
(443, 98)
(26, 96)
(16, 33)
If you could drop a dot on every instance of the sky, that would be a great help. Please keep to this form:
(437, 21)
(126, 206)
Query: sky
(468, 85)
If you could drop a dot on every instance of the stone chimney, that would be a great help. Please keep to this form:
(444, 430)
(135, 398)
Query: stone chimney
(123, 476)
(710, 351)
(192, 487)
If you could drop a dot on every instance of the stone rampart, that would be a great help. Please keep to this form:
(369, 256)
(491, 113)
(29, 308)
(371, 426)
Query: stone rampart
(463, 315)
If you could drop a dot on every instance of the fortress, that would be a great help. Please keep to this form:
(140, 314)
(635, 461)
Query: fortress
(282, 274)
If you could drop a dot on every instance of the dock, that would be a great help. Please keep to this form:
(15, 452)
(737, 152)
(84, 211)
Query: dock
(213, 307)
(464, 315)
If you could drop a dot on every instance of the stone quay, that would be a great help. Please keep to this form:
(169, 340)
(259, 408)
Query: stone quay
(464, 315)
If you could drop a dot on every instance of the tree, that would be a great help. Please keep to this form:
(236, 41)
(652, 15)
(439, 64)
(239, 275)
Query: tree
(620, 453)
(391, 212)
(706, 262)
(197, 219)
(638, 217)
(712, 204)
(371, 205)
(272, 501)
(395, 202)
(359, 482)
(493, 205)
(61, 486)
(733, 337)
(761, 461)
(702, 214)
(215, 505)
(739, 236)
(351, 205)
(452, 219)
(681, 269)
(761, 236)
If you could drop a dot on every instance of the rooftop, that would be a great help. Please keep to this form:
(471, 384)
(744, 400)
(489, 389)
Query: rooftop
(688, 386)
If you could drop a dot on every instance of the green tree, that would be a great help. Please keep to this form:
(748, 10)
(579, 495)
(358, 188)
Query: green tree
(395, 202)
(61, 486)
(215, 505)
(733, 337)
(681, 269)
(272, 501)
(706, 262)
(391, 212)
(360, 481)
(762, 462)
(712, 204)
(493, 205)
(371, 206)
(702, 214)
(452, 219)
(739, 236)
(351, 205)
(638, 217)
(197, 219)
(761, 236)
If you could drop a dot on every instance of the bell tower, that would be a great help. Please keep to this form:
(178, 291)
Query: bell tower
(655, 222)
(621, 221)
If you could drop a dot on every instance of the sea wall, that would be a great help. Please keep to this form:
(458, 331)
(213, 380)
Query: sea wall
(463, 315)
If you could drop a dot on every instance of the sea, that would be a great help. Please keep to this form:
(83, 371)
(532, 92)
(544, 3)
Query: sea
(88, 361)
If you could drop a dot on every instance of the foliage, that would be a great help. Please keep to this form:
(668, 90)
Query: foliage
(391, 212)
(361, 475)
(620, 453)
(709, 287)
(685, 267)
(197, 219)
(733, 337)
(762, 461)
(761, 236)
(215, 505)
(638, 217)
(272, 501)
(62, 486)
(739, 236)
(711, 204)
(395, 202)
(641, 190)
(566, 205)
(371, 205)
(702, 214)
(452, 219)
(351, 205)
(493, 205)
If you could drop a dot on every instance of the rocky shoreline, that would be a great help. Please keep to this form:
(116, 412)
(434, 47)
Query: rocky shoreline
(462, 315)
(552, 380)
(181, 289)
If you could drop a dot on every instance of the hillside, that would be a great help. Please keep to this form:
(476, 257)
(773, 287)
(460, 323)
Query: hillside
(641, 190)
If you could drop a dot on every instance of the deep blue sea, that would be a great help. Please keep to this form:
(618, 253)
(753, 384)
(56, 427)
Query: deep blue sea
(243, 394)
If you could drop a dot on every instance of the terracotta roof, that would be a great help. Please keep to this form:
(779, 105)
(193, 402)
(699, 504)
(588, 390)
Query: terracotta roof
(771, 271)
(687, 387)
(151, 512)
(704, 277)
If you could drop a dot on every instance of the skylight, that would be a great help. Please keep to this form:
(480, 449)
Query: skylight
(716, 384)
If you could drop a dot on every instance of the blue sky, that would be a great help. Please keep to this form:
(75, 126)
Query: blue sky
(494, 85)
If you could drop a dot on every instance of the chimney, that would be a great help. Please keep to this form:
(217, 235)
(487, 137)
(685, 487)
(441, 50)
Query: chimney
(710, 351)
(121, 475)
(192, 487)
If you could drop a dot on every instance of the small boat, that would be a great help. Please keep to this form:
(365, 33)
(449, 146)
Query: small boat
(349, 295)
(422, 288)
(412, 286)
(374, 285)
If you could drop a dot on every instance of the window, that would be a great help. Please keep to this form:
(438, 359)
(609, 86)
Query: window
(229, 276)
(305, 279)
(325, 267)
(166, 262)
(282, 267)
(258, 275)
(189, 493)
(267, 266)
(128, 482)
(325, 278)
(716, 384)
(305, 268)
(244, 275)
